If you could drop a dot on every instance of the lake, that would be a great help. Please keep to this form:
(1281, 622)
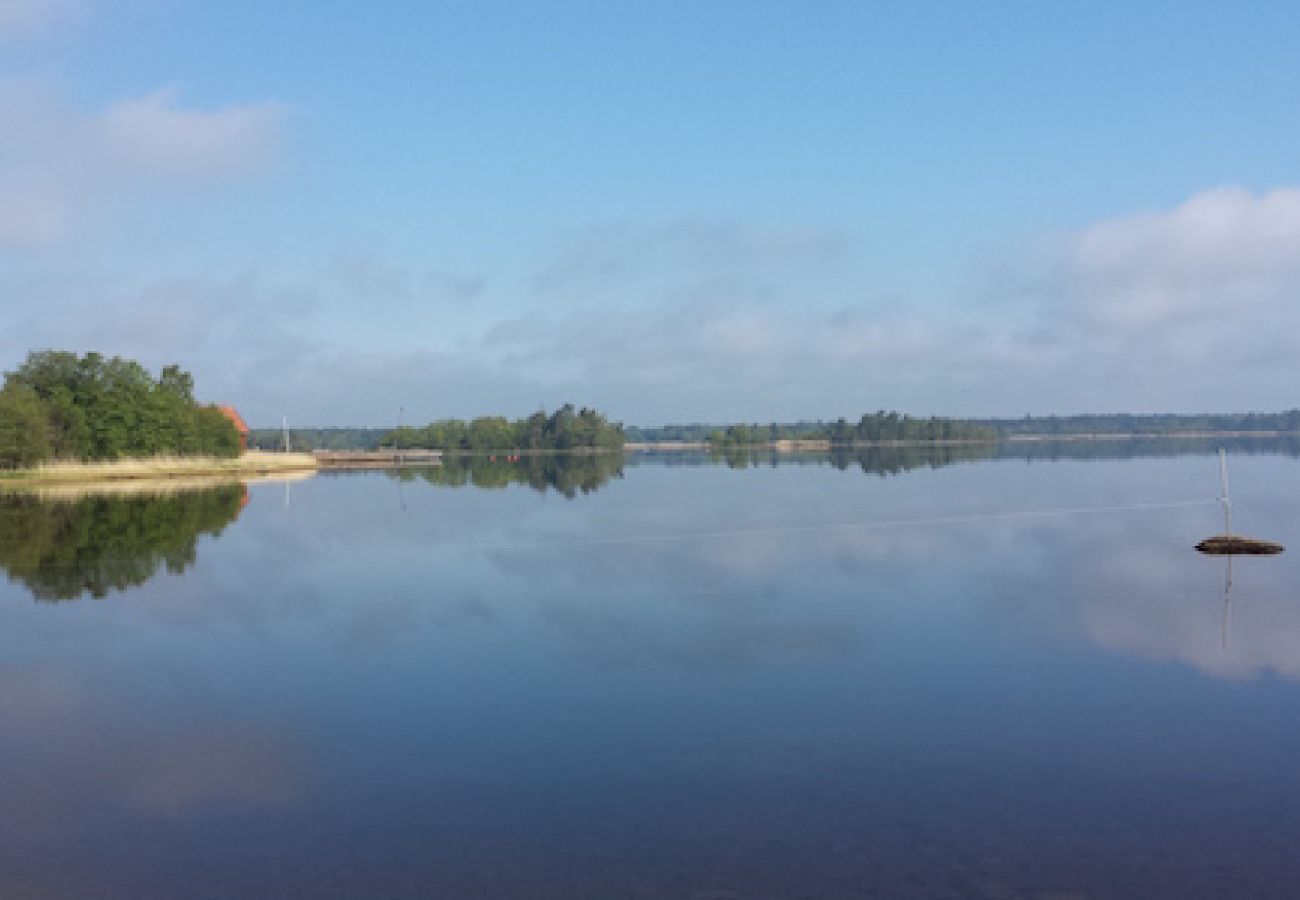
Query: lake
(900, 674)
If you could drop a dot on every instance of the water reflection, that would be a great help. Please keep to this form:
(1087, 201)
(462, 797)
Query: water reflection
(67, 548)
(567, 474)
(1227, 601)
(802, 682)
(1102, 555)
(884, 460)
(896, 460)
(1161, 447)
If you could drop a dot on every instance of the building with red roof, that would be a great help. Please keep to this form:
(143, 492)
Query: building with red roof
(240, 425)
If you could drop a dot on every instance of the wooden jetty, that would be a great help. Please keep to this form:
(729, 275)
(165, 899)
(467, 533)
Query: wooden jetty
(376, 459)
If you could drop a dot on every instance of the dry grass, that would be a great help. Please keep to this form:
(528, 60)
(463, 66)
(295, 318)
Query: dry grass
(64, 491)
(157, 468)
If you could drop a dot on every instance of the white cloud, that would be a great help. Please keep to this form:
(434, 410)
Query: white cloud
(1193, 308)
(1223, 253)
(58, 166)
(154, 134)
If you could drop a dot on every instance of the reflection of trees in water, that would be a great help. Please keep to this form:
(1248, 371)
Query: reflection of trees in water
(569, 474)
(895, 459)
(882, 460)
(64, 549)
(1157, 447)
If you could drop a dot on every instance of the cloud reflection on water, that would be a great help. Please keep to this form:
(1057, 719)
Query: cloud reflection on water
(74, 749)
(725, 575)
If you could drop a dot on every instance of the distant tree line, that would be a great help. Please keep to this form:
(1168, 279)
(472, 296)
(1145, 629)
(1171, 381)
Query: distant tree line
(565, 429)
(58, 405)
(489, 433)
(1156, 423)
(880, 427)
(884, 427)
(873, 428)
(307, 439)
(700, 433)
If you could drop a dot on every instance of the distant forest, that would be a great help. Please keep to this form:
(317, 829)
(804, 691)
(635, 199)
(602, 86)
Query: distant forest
(308, 439)
(1157, 423)
(885, 427)
(871, 428)
(58, 405)
(880, 427)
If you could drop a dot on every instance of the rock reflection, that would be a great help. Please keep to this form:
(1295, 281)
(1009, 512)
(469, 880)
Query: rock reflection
(69, 547)
(1137, 592)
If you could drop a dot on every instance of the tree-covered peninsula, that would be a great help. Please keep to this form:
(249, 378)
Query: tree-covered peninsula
(61, 406)
(565, 429)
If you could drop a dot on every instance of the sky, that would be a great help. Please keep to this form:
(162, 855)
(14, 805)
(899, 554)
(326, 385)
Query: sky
(357, 214)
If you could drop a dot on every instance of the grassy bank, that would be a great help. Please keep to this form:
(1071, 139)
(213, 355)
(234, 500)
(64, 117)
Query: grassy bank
(253, 462)
(169, 486)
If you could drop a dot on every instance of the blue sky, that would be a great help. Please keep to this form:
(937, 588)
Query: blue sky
(674, 212)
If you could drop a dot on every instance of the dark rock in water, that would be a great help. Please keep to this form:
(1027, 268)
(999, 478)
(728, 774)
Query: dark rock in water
(1228, 544)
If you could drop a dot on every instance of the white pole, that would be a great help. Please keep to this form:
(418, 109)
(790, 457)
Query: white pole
(1223, 483)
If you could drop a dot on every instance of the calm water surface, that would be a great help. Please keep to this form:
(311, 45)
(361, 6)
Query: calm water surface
(997, 678)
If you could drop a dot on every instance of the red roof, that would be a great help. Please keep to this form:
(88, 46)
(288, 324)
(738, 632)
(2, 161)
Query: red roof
(229, 412)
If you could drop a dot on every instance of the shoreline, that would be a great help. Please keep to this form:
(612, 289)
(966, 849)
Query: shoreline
(251, 463)
(822, 445)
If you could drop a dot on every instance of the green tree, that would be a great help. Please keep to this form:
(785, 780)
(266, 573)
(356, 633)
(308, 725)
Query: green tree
(98, 408)
(24, 428)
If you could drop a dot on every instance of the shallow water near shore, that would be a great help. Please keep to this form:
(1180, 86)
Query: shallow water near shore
(918, 675)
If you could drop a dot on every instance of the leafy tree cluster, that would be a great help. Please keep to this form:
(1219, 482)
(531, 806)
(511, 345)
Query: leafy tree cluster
(565, 429)
(62, 550)
(747, 435)
(887, 427)
(569, 475)
(58, 405)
